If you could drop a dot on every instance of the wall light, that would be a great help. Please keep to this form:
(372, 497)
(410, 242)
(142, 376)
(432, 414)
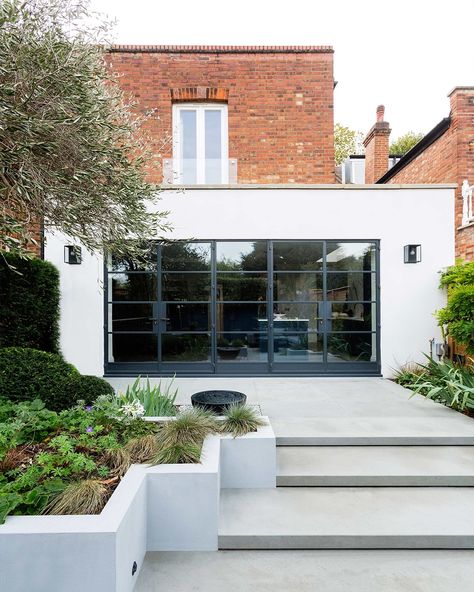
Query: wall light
(72, 255)
(412, 253)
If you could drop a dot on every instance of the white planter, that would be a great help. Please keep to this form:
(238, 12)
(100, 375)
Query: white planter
(161, 508)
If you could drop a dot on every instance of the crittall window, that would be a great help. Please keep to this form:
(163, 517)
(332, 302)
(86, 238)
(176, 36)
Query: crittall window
(200, 144)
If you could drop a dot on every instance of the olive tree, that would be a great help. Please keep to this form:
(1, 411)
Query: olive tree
(72, 152)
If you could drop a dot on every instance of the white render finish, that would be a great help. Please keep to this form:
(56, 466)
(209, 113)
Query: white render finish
(396, 215)
(160, 508)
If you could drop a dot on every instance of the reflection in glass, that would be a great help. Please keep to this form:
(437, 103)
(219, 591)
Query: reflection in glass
(146, 262)
(298, 286)
(352, 316)
(241, 256)
(132, 286)
(241, 347)
(132, 317)
(298, 347)
(128, 347)
(186, 286)
(185, 317)
(188, 146)
(344, 286)
(190, 347)
(241, 317)
(179, 256)
(213, 149)
(291, 316)
(241, 286)
(350, 256)
(350, 347)
(298, 256)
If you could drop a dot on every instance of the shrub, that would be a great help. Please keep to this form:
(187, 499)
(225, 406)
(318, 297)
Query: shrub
(89, 388)
(29, 303)
(27, 374)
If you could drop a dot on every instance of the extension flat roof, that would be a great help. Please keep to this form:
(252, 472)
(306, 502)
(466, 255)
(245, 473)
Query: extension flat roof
(221, 48)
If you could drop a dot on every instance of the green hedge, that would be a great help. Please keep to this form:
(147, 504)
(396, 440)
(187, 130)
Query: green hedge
(29, 303)
(88, 388)
(28, 374)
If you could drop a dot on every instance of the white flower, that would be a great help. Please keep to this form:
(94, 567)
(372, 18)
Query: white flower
(134, 409)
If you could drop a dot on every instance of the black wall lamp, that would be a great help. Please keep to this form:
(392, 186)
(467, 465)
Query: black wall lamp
(412, 253)
(72, 255)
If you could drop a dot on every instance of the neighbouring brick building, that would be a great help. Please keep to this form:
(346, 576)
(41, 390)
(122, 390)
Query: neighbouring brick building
(277, 103)
(444, 155)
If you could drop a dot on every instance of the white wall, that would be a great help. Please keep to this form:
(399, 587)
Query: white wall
(397, 215)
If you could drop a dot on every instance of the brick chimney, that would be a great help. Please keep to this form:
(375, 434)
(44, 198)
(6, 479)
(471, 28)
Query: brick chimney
(376, 148)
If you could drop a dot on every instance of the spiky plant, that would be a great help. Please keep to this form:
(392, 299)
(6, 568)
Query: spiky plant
(81, 497)
(240, 420)
(189, 427)
(178, 453)
(117, 460)
(143, 449)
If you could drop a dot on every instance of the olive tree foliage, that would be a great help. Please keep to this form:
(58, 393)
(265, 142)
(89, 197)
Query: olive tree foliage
(72, 153)
(404, 143)
(346, 142)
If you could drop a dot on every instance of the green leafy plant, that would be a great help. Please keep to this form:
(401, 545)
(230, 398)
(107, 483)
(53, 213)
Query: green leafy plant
(158, 401)
(408, 373)
(240, 420)
(457, 317)
(29, 293)
(27, 374)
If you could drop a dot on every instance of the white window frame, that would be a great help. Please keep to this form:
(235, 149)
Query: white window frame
(200, 109)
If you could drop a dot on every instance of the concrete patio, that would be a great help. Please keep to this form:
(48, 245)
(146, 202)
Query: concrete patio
(374, 485)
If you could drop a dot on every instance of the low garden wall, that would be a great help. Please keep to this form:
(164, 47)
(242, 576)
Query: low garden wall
(155, 508)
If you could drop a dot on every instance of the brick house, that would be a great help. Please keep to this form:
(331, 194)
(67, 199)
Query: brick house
(271, 268)
(444, 155)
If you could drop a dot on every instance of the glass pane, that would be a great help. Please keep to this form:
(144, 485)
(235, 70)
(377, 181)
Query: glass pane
(351, 286)
(127, 347)
(185, 317)
(289, 316)
(213, 148)
(132, 286)
(132, 317)
(242, 347)
(241, 256)
(353, 316)
(298, 347)
(298, 256)
(351, 347)
(186, 348)
(146, 262)
(242, 286)
(242, 317)
(186, 256)
(188, 146)
(351, 256)
(186, 286)
(298, 287)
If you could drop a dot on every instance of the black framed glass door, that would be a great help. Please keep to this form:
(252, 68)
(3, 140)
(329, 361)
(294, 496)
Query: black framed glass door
(245, 307)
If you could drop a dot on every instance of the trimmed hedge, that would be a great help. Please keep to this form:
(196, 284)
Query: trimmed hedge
(88, 388)
(27, 374)
(29, 303)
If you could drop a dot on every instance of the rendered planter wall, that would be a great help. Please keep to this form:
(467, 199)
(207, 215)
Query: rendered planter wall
(161, 508)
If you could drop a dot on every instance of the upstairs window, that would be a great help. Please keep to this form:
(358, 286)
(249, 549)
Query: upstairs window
(200, 144)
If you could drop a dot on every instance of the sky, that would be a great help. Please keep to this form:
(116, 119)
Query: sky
(405, 54)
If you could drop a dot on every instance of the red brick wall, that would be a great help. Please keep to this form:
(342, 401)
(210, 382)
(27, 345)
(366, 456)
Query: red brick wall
(280, 105)
(450, 159)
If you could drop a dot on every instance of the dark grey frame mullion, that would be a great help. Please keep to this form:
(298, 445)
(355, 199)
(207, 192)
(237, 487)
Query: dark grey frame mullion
(325, 322)
(158, 304)
(270, 304)
(213, 296)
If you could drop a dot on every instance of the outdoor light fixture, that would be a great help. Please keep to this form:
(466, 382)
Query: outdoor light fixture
(72, 255)
(412, 253)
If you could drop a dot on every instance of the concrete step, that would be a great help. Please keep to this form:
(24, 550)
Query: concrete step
(452, 429)
(347, 518)
(356, 466)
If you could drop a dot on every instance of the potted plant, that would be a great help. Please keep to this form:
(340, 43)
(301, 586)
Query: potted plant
(229, 350)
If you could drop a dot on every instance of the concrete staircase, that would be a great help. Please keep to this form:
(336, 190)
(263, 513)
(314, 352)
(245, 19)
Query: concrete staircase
(361, 486)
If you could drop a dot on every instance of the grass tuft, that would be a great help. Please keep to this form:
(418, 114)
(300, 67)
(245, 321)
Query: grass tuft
(82, 497)
(178, 453)
(117, 460)
(189, 427)
(240, 420)
(143, 449)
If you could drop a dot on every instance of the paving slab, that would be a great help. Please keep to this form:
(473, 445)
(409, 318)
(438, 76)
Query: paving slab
(357, 466)
(308, 571)
(347, 518)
